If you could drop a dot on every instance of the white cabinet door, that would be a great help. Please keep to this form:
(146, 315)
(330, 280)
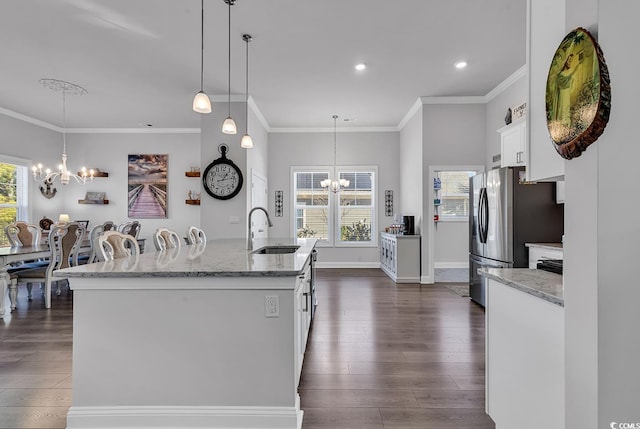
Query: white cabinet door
(513, 143)
(302, 318)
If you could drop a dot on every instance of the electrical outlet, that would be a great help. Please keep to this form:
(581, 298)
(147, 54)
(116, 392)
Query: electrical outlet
(271, 306)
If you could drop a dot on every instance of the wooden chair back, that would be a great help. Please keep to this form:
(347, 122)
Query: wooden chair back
(23, 234)
(165, 238)
(114, 245)
(195, 235)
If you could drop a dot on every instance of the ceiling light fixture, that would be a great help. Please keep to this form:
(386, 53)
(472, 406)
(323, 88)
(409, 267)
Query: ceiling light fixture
(360, 66)
(461, 64)
(247, 141)
(334, 185)
(46, 175)
(201, 102)
(229, 125)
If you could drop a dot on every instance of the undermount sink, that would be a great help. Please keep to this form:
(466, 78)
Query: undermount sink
(275, 250)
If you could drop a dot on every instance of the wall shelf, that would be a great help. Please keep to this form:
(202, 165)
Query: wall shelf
(193, 202)
(93, 201)
(96, 173)
(192, 173)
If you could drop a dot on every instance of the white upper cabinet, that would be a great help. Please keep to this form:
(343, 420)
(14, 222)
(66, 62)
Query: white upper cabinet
(545, 31)
(513, 144)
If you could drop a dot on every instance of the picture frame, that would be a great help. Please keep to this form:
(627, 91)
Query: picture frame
(578, 94)
(147, 186)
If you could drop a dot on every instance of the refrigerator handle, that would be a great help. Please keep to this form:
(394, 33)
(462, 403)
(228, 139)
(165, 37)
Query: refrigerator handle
(480, 215)
(484, 207)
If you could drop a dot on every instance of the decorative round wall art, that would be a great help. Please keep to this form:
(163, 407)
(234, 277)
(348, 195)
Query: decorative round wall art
(578, 94)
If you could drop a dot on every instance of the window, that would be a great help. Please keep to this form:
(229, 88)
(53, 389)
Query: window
(352, 210)
(356, 208)
(13, 194)
(454, 193)
(311, 205)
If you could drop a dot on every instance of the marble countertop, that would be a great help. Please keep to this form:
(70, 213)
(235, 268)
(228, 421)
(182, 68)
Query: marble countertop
(216, 258)
(539, 283)
(550, 246)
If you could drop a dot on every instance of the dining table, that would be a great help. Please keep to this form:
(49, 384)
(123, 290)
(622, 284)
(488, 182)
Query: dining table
(10, 255)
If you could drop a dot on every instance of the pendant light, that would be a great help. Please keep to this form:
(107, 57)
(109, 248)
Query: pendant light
(247, 141)
(334, 185)
(229, 125)
(42, 174)
(201, 102)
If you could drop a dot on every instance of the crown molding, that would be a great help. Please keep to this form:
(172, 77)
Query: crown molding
(502, 86)
(407, 117)
(132, 130)
(29, 119)
(256, 111)
(330, 130)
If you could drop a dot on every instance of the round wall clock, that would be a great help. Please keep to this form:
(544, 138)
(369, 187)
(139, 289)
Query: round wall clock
(578, 94)
(222, 178)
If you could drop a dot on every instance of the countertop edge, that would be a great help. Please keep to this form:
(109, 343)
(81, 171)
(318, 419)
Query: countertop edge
(530, 282)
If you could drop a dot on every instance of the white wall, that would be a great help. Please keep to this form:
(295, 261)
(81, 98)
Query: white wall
(109, 152)
(316, 149)
(22, 139)
(497, 107)
(601, 253)
(409, 200)
(225, 218)
(453, 134)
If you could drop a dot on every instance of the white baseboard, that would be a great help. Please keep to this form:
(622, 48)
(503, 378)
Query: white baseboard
(451, 264)
(427, 280)
(348, 264)
(185, 417)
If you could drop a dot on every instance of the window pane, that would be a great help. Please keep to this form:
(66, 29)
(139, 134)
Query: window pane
(359, 191)
(312, 223)
(309, 192)
(355, 224)
(8, 187)
(7, 216)
(454, 194)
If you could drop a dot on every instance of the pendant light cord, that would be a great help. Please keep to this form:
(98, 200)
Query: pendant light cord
(202, 45)
(246, 87)
(229, 86)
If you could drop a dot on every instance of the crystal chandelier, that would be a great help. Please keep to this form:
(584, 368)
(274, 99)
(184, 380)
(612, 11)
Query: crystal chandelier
(334, 185)
(42, 174)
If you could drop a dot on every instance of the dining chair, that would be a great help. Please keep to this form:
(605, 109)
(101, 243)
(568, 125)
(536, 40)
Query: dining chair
(95, 232)
(165, 238)
(195, 235)
(64, 243)
(112, 245)
(23, 234)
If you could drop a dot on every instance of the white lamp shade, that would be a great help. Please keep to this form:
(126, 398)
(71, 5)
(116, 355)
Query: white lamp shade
(246, 142)
(201, 103)
(63, 218)
(229, 126)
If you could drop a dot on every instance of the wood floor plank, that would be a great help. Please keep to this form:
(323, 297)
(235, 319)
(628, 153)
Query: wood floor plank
(380, 356)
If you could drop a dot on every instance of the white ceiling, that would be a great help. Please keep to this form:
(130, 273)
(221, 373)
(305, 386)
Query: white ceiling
(140, 59)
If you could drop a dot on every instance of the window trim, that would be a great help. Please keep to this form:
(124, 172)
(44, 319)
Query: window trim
(334, 209)
(374, 207)
(23, 207)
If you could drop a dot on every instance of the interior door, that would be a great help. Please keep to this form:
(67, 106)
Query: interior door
(259, 198)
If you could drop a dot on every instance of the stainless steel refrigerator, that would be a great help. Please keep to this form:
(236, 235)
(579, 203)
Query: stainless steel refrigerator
(504, 215)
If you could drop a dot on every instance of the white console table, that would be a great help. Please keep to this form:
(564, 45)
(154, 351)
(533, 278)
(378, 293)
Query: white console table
(400, 257)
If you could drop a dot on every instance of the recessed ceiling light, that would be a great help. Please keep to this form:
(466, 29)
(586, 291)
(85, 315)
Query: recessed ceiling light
(360, 66)
(461, 64)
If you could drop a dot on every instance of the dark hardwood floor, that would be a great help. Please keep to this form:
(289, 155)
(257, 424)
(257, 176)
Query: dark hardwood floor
(380, 355)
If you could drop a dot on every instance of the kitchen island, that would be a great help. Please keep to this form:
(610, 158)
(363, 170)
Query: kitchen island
(524, 348)
(204, 336)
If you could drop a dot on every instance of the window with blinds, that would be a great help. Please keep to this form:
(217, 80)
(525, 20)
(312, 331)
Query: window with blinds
(311, 205)
(454, 194)
(356, 207)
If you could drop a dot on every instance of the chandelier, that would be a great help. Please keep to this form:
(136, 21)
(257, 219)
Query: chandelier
(42, 174)
(334, 185)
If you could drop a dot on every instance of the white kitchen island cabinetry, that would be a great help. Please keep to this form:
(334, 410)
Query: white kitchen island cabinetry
(524, 348)
(207, 336)
(400, 257)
